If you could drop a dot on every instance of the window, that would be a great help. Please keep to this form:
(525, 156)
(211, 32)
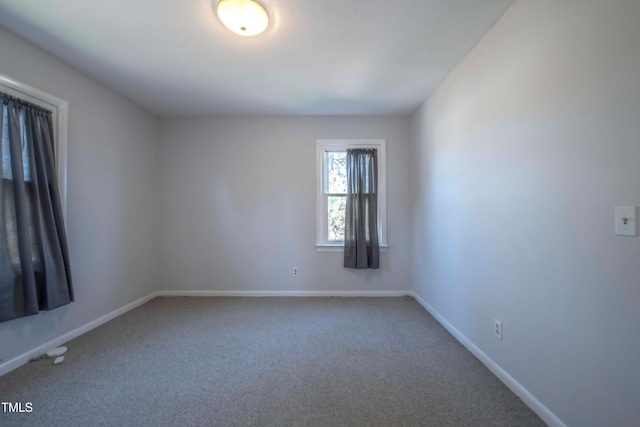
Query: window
(35, 271)
(331, 157)
(60, 114)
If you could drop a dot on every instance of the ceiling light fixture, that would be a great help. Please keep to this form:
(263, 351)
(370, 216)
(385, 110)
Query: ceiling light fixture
(244, 17)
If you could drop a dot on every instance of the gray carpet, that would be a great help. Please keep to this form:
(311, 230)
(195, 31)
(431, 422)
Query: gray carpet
(265, 362)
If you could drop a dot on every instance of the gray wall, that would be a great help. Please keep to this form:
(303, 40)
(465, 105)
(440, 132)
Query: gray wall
(519, 159)
(238, 200)
(111, 167)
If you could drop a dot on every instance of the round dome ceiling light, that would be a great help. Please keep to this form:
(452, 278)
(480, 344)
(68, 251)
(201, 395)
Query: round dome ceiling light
(244, 17)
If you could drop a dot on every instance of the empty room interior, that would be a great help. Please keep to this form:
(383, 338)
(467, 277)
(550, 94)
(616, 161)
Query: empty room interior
(320, 212)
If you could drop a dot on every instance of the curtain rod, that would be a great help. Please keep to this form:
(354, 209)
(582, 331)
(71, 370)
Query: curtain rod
(6, 98)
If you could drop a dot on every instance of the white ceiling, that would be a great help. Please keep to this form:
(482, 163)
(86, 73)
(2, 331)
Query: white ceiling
(342, 57)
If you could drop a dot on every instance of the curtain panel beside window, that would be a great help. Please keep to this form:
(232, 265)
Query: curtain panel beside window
(35, 272)
(361, 246)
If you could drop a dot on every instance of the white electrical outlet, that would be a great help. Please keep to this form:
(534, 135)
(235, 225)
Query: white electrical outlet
(294, 272)
(497, 329)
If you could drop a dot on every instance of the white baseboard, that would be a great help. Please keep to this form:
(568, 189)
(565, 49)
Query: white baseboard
(20, 360)
(282, 293)
(542, 411)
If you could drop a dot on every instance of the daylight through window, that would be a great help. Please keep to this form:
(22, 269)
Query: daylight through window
(332, 190)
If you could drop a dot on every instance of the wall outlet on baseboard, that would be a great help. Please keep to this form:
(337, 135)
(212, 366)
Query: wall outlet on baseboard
(294, 272)
(497, 329)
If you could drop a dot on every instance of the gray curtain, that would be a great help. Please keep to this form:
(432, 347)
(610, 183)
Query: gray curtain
(361, 248)
(34, 259)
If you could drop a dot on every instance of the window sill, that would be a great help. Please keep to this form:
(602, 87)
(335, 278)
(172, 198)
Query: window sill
(340, 248)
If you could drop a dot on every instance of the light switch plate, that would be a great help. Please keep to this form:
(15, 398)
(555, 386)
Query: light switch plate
(626, 221)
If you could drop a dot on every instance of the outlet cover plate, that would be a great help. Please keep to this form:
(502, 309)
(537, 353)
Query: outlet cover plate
(497, 329)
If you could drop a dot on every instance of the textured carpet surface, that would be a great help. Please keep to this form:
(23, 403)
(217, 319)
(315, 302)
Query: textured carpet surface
(265, 362)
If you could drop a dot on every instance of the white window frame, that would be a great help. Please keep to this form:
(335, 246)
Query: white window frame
(60, 110)
(331, 145)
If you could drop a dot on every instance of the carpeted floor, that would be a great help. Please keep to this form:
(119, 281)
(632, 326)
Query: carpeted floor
(265, 362)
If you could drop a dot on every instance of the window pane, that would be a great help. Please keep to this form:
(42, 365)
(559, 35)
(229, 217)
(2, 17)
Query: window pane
(335, 219)
(336, 172)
